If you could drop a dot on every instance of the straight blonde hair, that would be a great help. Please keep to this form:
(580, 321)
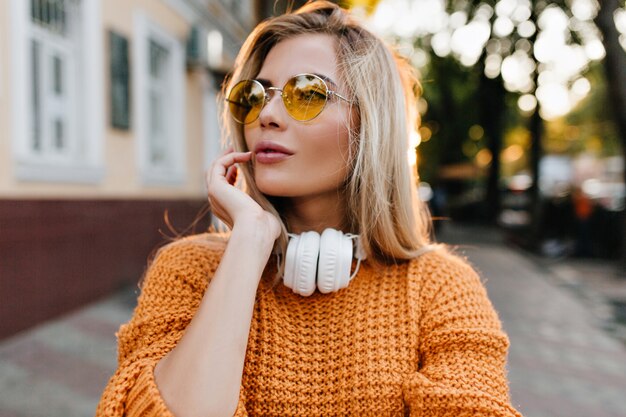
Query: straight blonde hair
(383, 205)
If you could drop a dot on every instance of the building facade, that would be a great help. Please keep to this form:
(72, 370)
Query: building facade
(108, 120)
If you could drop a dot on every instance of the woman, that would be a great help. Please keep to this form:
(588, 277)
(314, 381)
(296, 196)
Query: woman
(319, 112)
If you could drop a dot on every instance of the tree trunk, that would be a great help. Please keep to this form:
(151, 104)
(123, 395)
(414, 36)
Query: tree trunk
(536, 151)
(615, 69)
(492, 119)
(536, 204)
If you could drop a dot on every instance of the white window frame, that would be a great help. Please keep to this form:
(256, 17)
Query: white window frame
(144, 30)
(85, 163)
(69, 108)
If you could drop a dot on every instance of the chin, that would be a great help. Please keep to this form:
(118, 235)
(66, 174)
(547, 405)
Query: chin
(290, 185)
(275, 188)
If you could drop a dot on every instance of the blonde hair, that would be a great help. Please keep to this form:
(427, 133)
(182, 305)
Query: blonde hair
(382, 204)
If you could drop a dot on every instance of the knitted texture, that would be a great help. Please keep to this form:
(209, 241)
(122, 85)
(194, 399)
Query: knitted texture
(418, 338)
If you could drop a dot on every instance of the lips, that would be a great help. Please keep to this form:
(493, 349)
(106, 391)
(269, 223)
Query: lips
(267, 152)
(265, 146)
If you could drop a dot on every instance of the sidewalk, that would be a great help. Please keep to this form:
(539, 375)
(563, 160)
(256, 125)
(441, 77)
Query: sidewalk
(60, 368)
(561, 363)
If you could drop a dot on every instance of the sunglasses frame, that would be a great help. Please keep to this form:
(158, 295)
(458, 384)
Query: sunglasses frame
(266, 93)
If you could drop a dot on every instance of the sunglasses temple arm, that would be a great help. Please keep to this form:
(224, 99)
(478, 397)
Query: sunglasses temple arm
(340, 96)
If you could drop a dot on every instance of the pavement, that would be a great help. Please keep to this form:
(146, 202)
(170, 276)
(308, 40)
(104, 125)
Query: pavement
(565, 358)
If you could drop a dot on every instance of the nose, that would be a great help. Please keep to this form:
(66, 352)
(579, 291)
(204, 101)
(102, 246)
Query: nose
(272, 112)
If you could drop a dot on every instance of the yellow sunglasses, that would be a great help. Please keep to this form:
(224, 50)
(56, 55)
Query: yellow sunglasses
(304, 97)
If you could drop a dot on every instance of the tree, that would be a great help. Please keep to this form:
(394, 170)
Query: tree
(615, 69)
(516, 36)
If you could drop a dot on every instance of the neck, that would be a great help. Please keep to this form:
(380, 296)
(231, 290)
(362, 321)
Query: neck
(315, 213)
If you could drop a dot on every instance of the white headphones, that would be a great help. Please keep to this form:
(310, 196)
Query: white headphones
(323, 260)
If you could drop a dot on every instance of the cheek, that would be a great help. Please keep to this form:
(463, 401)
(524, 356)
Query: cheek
(329, 148)
(248, 137)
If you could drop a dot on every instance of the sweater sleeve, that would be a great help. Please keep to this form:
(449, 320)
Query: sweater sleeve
(462, 349)
(171, 292)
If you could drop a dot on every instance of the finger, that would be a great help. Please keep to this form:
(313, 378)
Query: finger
(218, 171)
(226, 161)
(231, 174)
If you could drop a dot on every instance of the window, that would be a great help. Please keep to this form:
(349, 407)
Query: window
(159, 88)
(57, 130)
(53, 64)
(120, 81)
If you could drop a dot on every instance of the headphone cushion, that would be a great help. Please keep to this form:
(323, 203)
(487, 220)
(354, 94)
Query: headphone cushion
(301, 263)
(335, 260)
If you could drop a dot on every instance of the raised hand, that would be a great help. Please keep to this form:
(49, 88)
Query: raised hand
(230, 204)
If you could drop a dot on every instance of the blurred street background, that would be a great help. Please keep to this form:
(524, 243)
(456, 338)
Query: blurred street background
(108, 121)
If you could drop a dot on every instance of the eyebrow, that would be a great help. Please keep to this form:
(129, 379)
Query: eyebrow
(267, 83)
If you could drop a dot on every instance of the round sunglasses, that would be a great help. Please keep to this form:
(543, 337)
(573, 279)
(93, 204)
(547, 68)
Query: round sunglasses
(304, 97)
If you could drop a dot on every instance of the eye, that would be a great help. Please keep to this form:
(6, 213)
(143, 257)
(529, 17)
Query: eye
(254, 99)
(311, 93)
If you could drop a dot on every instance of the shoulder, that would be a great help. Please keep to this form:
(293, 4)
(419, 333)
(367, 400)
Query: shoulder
(203, 246)
(444, 286)
(444, 268)
(441, 258)
(190, 258)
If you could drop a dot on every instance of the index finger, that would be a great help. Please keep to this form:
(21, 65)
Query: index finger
(221, 165)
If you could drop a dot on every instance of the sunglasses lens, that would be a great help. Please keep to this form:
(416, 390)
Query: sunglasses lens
(305, 97)
(246, 101)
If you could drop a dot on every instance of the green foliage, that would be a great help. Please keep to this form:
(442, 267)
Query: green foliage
(450, 90)
(589, 127)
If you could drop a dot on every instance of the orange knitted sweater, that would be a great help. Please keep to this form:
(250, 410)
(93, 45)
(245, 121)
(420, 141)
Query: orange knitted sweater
(419, 338)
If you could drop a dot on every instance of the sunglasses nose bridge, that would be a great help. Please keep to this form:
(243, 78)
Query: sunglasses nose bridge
(269, 93)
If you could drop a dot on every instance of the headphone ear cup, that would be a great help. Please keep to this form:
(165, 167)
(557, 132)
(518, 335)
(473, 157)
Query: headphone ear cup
(301, 263)
(335, 260)
(290, 261)
(347, 252)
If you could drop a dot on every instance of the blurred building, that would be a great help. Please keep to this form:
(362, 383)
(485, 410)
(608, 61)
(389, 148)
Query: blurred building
(108, 118)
